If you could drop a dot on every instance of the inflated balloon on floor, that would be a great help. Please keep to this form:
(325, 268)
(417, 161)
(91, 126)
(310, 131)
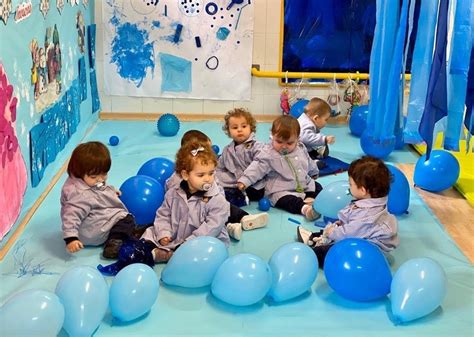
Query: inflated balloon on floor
(358, 120)
(334, 197)
(168, 125)
(298, 108)
(399, 195)
(158, 168)
(142, 195)
(438, 173)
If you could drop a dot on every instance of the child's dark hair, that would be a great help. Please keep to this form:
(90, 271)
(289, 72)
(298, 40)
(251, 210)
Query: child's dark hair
(89, 158)
(239, 112)
(285, 127)
(195, 136)
(191, 153)
(372, 174)
(317, 107)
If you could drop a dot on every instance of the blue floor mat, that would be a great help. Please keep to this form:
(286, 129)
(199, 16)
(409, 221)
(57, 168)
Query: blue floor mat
(38, 259)
(333, 166)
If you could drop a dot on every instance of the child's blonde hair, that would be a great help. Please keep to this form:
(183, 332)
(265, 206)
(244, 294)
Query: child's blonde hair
(89, 158)
(317, 107)
(194, 152)
(285, 127)
(239, 112)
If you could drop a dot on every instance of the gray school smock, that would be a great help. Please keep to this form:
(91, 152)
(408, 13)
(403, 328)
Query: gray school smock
(279, 177)
(235, 159)
(368, 219)
(310, 134)
(89, 213)
(182, 219)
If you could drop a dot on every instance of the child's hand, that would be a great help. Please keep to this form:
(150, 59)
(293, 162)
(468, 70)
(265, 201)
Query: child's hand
(165, 241)
(74, 246)
(240, 186)
(330, 139)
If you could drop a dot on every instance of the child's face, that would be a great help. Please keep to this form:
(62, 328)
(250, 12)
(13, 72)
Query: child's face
(239, 129)
(284, 146)
(321, 121)
(200, 178)
(95, 179)
(356, 191)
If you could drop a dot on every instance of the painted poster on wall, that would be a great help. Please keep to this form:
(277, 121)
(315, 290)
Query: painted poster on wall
(178, 48)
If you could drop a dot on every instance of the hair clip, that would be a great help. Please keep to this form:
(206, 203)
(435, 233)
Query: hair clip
(195, 151)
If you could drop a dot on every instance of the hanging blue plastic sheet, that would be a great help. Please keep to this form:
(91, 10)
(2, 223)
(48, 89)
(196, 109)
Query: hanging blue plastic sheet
(461, 44)
(422, 60)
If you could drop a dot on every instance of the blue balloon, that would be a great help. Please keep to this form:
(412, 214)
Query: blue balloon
(399, 195)
(133, 292)
(438, 173)
(168, 125)
(142, 195)
(298, 108)
(243, 279)
(195, 262)
(334, 197)
(32, 312)
(158, 168)
(216, 149)
(376, 147)
(264, 204)
(357, 270)
(294, 268)
(358, 119)
(85, 296)
(418, 288)
(114, 140)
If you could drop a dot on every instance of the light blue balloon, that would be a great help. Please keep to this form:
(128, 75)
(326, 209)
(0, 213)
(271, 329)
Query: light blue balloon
(84, 294)
(399, 195)
(243, 279)
(133, 291)
(334, 197)
(294, 268)
(195, 262)
(418, 288)
(357, 270)
(438, 173)
(33, 312)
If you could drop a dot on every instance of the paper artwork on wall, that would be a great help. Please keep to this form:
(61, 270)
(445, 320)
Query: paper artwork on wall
(23, 11)
(60, 5)
(85, 3)
(82, 78)
(74, 2)
(81, 32)
(13, 174)
(94, 92)
(178, 48)
(91, 30)
(44, 7)
(46, 69)
(5, 10)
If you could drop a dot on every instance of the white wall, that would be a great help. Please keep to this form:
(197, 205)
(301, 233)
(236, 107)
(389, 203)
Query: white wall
(265, 91)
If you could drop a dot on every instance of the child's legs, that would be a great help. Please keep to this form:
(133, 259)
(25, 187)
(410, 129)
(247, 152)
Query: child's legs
(236, 214)
(123, 229)
(321, 252)
(290, 203)
(235, 196)
(255, 195)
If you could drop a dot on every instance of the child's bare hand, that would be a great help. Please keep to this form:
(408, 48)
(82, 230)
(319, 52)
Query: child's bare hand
(240, 186)
(165, 241)
(330, 139)
(74, 246)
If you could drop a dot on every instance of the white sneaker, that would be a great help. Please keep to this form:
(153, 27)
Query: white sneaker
(309, 201)
(253, 221)
(309, 213)
(303, 234)
(234, 230)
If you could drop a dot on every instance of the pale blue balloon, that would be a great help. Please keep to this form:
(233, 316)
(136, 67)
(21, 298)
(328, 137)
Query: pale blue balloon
(195, 262)
(418, 288)
(84, 294)
(295, 268)
(243, 279)
(33, 312)
(334, 197)
(133, 291)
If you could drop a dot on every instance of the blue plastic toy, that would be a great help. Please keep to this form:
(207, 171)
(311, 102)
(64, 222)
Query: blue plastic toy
(168, 125)
(114, 140)
(264, 204)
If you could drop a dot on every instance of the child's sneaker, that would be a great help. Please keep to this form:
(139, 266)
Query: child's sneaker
(234, 230)
(308, 201)
(253, 221)
(309, 213)
(161, 255)
(303, 234)
(112, 248)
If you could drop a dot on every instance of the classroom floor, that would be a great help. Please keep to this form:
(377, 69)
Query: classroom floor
(38, 259)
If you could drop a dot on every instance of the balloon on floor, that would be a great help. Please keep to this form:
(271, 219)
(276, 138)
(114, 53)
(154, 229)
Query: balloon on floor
(438, 173)
(158, 168)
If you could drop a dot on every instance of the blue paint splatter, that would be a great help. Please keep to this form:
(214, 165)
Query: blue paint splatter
(156, 24)
(132, 54)
(175, 73)
(222, 33)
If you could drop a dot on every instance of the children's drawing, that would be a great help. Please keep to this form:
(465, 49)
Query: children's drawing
(5, 10)
(178, 48)
(81, 32)
(60, 5)
(44, 7)
(12, 166)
